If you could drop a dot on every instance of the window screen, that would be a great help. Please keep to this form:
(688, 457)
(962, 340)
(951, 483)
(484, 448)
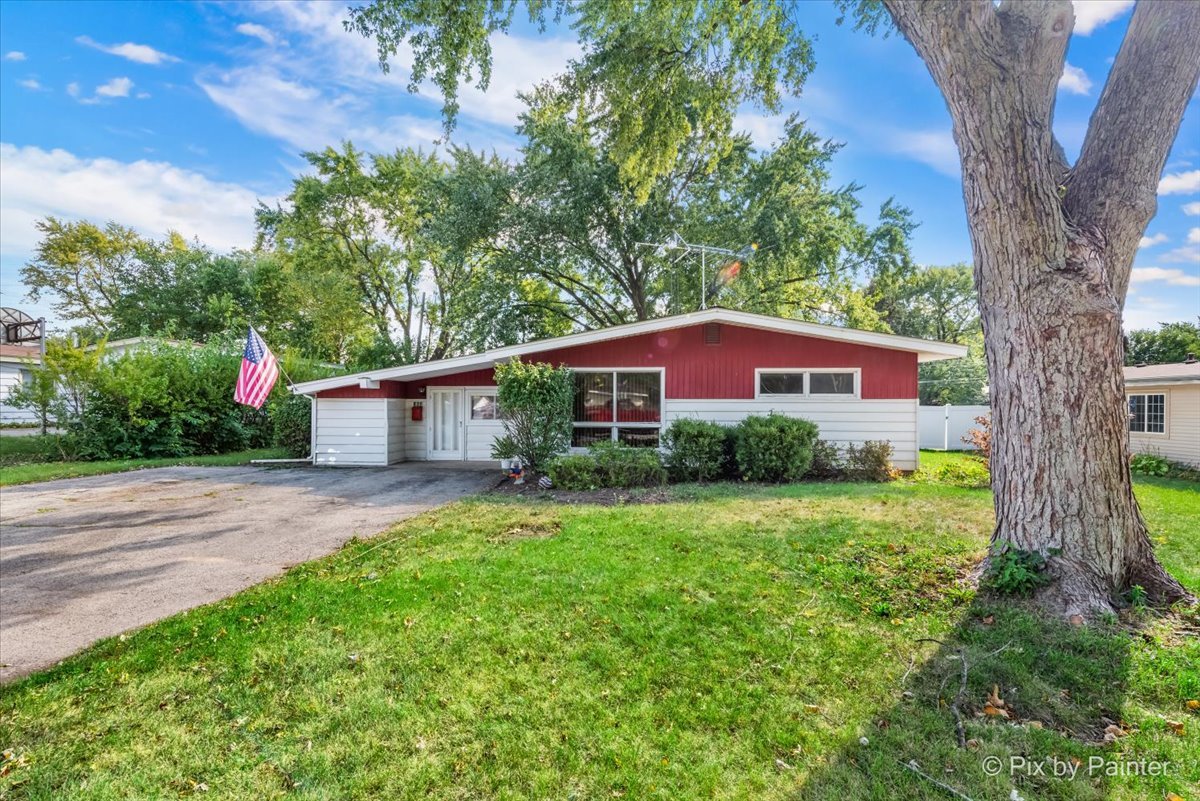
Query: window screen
(781, 383)
(593, 397)
(831, 383)
(638, 397)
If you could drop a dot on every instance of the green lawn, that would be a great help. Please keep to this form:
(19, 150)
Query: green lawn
(24, 460)
(735, 643)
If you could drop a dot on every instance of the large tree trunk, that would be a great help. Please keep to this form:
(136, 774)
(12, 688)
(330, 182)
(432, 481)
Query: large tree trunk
(1053, 248)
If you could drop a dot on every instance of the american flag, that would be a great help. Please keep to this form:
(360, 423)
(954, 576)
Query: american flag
(258, 374)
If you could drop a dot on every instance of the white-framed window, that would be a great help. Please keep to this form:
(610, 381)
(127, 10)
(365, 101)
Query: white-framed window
(483, 405)
(826, 382)
(622, 405)
(1148, 413)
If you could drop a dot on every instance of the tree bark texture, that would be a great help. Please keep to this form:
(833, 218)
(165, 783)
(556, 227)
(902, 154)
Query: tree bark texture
(1053, 247)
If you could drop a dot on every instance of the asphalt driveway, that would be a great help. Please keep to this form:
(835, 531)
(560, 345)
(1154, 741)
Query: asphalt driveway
(87, 558)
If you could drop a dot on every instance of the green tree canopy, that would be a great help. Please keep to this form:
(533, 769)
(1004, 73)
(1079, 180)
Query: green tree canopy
(1171, 343)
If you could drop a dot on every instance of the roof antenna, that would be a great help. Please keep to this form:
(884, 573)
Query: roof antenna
(675, 242)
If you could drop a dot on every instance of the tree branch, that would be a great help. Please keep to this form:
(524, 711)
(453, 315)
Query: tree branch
(1114, 186)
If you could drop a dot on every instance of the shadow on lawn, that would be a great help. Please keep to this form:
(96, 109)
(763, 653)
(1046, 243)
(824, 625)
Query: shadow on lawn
(1061, 687)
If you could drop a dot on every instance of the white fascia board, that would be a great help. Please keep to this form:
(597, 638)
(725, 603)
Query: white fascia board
(926, 350)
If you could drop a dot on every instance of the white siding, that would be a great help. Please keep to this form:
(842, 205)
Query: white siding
(414, 434)
(396, 422)
(1181, 440)
(844, 421)
(11, 376)
(351, 431)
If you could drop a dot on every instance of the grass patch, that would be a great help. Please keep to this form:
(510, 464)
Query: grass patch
(732, 642)
(22, 462)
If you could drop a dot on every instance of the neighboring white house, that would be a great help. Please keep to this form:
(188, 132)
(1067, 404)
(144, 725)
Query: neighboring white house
(15, 363)
(1164, 410)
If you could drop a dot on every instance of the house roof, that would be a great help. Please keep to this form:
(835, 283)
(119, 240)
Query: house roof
(20, 353)
(1177, 373)
(926, 350)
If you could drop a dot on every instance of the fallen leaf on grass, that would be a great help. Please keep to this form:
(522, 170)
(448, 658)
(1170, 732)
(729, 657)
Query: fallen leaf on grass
(1175, 726)
(1193, 705)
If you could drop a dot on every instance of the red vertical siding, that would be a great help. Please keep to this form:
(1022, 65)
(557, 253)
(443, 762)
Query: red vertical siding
(697, 370)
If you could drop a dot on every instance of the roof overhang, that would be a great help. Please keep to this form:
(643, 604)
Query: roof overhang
(926, 350)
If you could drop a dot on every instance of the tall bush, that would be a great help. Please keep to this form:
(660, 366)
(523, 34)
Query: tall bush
(168, 401)
(291, 423)
(774, 447)
(535, 400)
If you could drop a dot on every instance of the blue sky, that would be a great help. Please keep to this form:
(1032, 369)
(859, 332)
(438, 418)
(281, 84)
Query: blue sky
(184, 116)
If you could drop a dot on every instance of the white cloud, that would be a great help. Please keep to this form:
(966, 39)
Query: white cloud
(152, 197)
(73, 89)
(14, 55)
(1142, 275)
(934, 148)
(142, 54)
(1091, 14)
(1074, 80)
(1180, 183)
(1192, 209)
(328, 86)
(260, 32)
(1193, 236)
(31, 84)
(306, 119)
(142, 95)
(117, 87)
(1151, 241)
(765, 130)
(1185, 254)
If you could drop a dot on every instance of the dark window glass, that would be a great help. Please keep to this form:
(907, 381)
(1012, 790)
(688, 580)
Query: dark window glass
(483, 407)
(781, 383)
(831, 383)
(1156, 414)
(593, 397)
(638, 397)
(581, 437)
(1137, 412)
(639, 437)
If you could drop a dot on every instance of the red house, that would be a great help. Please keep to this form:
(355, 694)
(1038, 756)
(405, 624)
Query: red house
(632, 381)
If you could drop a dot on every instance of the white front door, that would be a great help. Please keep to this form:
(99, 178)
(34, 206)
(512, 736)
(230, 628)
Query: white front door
(445, 423)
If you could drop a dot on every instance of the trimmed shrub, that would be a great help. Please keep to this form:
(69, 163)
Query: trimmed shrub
(574, 472)
(871, 461)
(291, 419)
(697, 450)
(608, 464)
(827, 461)
(775, 447)
(619, 465)
(536, 402)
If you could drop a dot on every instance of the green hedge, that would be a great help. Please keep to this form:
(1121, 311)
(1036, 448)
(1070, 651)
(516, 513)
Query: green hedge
(608, 464)
(774, 448)
(697, 450)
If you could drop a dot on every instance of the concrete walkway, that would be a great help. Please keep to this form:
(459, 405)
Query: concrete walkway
(87, 558)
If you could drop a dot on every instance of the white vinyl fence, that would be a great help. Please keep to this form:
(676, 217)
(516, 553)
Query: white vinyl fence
(941, 428)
